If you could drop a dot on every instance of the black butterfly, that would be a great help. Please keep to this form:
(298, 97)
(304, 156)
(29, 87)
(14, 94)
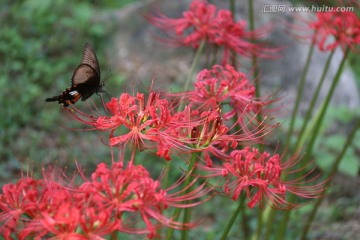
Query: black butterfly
(84, 82)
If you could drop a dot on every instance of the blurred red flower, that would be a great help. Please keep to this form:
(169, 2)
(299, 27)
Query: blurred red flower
(260, 176)
(203, 22)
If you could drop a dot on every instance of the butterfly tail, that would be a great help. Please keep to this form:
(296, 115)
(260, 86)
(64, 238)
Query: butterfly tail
(58, 99)
(52, 99)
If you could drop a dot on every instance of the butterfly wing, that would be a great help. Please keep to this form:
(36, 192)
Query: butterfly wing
(86, 77)
(89, 58)
(84, 82)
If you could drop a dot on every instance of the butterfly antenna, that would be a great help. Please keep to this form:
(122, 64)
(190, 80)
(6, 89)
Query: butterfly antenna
(109, 75)
(107, 92)
(105, 89)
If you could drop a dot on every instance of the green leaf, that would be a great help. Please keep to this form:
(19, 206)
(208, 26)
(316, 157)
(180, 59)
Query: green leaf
(350, 164)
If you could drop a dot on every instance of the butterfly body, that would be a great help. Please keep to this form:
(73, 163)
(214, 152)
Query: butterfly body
(84, 82)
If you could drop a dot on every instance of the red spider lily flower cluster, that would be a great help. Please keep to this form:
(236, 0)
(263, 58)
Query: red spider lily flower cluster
(226, 86)
(154, 125)
(145, 126)
(199, 127)
(333, 29)
(260, 176)
(144, 121)
(202, 127)
(203, 22)
(230, 92)
(101, 205)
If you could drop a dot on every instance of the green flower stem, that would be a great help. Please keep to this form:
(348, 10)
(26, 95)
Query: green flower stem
(186, 219)
(166, 179)
(214, 57)
(194, 155)
(233, 60)
(233, 217)
(188, 180)
(165, 184)
(232, 8)
(189, 77)
(170, 232)
(177, 211)
(313, 100)
(265, 215)
(313, 137)
(259, 223)
(255, 65)
(244, 221)
(114, 235)
(325, 106)
(194, 64)
(269, 223)
(281, 230)
(254, 59)
(329, 177)
(299, 93)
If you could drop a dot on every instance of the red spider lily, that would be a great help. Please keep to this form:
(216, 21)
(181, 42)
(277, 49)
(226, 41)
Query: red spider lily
(96, 208)
(202, 23)
(133, 191)
(142, 121)
(260, 176)
(151, 126)
(157, 125)
(234, 37)
(343, 27)
(16, 200)
(97, 221)
(197, 130)
(229, 90)
(57, 215)
(225, 86)
(214, 139)
(200, 18)
(134, 121)
(29, 206)
(61, 221)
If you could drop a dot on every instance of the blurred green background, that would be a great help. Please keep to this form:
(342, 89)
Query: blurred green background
(41, 43)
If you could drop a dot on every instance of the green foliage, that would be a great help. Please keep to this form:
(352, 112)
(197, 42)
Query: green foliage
(111, 3)
(328, 151)
(330, 144)
(354, 60)
(40, 45)
(331, 140)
